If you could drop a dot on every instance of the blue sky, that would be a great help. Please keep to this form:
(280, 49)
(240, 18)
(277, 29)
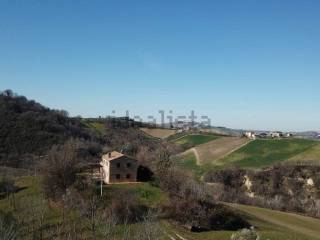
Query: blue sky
(245, 64)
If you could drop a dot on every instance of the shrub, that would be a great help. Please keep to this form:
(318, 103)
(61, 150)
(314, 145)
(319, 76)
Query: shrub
(126, 208)
(6, 186)
(203, 215)
(60, 170)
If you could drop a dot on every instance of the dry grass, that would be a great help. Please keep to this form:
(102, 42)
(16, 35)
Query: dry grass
(159, 132)
(214, 150)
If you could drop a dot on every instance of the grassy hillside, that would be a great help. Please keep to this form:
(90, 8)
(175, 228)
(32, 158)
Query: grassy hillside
(98, 128)
(28, 205)
(293, 225)
(192, 140)
(145, 192)
(214, 150)
(270, 224)
(189, 162)
(310, 155)
(158, 132)
(260, 153)
(202, 158)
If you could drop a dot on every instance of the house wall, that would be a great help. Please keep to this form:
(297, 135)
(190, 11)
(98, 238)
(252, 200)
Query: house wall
(122, 169)
(105, 172)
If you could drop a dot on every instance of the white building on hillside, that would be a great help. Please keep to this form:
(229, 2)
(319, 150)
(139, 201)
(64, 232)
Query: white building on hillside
(276, 134)
(250, 135)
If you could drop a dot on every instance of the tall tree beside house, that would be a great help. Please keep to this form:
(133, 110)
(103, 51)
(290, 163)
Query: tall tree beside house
(60, 169)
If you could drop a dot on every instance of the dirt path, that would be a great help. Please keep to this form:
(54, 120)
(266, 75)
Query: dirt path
(213, 151)
(233, 150)
(175, 236)
(217, 149)
(195, 152)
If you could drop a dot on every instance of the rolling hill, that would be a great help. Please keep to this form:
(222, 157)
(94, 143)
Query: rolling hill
(226, 152)
(261, 153)
(159, 132)
(191, 140)
(212, 151)
(311, 155)
(27, 127)
(270, 225)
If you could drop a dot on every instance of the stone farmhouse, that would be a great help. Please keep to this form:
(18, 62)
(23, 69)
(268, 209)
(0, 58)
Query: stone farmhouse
(116, 167)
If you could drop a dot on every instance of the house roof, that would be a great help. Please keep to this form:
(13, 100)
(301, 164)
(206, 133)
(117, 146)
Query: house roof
(113, 155)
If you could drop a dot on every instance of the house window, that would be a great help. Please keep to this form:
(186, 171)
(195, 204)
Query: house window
(128, 176)
(128, 165)
(118, 165)
(117, 176)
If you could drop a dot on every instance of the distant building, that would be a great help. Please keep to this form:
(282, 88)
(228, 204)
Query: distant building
(288, 135)
(250, 135)
(276, 134)
(117, 167)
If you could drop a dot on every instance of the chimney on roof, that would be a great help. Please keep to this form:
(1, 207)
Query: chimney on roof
(109, 154)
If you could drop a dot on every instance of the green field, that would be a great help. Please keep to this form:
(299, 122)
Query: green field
(269, 224)
(195, 139)
(312, 155)
(145, 192)
(176, 136)
(97, 128)
(289, 224)
(260, 153)
(189, 162)
(256, 154)
(27, 201)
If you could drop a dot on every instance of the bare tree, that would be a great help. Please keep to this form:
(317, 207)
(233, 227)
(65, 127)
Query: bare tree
(149, 229)
(8, 230)
(108, 225)
(60, 169)
(92, 208)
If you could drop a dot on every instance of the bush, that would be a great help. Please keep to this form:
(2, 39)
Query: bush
(224, 219)
(126, 208)
(60, 170)
(6, 186)
(228, 177)
(203, 215)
